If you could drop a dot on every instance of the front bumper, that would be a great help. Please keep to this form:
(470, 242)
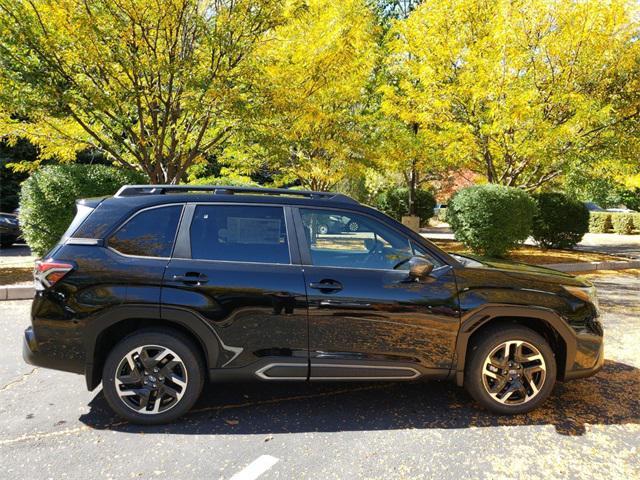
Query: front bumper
(582, 369)
(33, 356)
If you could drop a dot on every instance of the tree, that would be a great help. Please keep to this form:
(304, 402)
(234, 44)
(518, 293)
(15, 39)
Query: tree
(401, 144)
(306, 106)
(156, 84)
(517, 91)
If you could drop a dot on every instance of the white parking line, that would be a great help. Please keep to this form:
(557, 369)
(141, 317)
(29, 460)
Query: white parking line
(256, 468)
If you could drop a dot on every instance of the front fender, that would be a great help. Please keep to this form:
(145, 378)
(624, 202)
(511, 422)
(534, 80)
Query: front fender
(472, 321)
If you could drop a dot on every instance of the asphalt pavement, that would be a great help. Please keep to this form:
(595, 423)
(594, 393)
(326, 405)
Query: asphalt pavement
(51, 427)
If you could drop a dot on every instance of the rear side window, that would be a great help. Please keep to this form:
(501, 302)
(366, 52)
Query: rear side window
(239, 233)
(150, 233)
(82, 213)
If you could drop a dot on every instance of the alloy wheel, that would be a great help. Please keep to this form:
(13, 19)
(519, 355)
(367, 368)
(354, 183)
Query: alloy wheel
(151, 379)
(514, 372)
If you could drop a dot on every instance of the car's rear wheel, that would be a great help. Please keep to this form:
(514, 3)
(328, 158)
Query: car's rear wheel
(153, 376)
(323, 229)
(510, 370)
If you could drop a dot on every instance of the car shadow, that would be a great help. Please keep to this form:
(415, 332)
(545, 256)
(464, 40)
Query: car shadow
(610, 398)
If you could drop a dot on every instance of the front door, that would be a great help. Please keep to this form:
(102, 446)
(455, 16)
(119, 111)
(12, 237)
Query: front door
(367, 318)
(234, 268)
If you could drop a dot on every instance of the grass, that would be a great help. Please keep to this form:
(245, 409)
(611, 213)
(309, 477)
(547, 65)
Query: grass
(10, 275)
(534, 255)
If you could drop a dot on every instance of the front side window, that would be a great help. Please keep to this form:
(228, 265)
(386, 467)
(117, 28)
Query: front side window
(150, 233)
(241, 233)
(340, 239)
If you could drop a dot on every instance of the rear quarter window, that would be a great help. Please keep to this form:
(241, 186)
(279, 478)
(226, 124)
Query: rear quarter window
(149, 233)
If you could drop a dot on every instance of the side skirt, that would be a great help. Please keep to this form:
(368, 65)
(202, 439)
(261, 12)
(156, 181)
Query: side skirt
(279, 369)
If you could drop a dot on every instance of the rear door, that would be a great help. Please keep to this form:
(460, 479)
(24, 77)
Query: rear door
(235, 268)
(367, 318)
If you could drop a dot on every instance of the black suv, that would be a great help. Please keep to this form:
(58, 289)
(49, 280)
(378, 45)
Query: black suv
(158, 288)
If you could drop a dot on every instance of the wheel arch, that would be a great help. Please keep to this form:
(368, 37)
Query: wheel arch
(546, 322)
(108, 330)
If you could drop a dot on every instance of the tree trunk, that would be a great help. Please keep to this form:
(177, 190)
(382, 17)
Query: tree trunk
(412, 178)
(412, 189)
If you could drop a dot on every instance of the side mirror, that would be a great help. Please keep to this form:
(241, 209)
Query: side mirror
(419, 267)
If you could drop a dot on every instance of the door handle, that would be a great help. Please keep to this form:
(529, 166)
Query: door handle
(326, 286)
(191, 278)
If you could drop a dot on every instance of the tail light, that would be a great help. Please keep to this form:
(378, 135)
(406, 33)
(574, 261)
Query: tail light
(49, 272)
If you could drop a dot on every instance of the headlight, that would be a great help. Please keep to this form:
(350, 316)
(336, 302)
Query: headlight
(587, 294)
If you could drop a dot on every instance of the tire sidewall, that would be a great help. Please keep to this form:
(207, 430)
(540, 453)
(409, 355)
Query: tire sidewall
(175, 341)
(482, 348)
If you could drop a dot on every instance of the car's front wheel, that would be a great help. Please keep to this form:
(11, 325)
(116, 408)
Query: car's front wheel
(510, 370)
(153, 376)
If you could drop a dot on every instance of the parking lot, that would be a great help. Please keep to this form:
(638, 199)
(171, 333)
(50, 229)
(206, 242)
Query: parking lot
(53, 428)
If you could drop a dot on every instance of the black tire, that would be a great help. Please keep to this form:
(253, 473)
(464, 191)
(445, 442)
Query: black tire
(478, 383)
(191, 361)
(323, 229)
(353, 226)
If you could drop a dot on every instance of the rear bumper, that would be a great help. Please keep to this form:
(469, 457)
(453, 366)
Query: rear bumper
(33, 356)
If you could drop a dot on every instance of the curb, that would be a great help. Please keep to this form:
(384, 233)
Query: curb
(591, 266)
(16, 292)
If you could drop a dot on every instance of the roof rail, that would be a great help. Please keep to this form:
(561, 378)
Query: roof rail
(133, 190)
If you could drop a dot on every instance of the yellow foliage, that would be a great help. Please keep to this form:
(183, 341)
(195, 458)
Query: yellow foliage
(513, 90)
(312, 72)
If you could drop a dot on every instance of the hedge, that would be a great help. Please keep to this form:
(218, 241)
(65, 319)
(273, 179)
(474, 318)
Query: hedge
(623, 223)
(560, 221)
(48, 196)
(395, 203)
(491, 219)
(600, 222)
(620, 222)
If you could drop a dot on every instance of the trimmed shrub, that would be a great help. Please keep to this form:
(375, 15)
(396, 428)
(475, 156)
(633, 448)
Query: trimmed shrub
(230, 180)
(622, 223)
(395, 203)
(559, 221)
(600, 222)
(491, 219)
(48, 196)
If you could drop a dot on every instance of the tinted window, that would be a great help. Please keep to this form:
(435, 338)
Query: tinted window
(339, 239)
(239, 233)
(149, 234)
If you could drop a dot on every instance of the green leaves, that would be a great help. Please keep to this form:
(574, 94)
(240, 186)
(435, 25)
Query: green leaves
(560, 220)
(491, 219)
(48, 197)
